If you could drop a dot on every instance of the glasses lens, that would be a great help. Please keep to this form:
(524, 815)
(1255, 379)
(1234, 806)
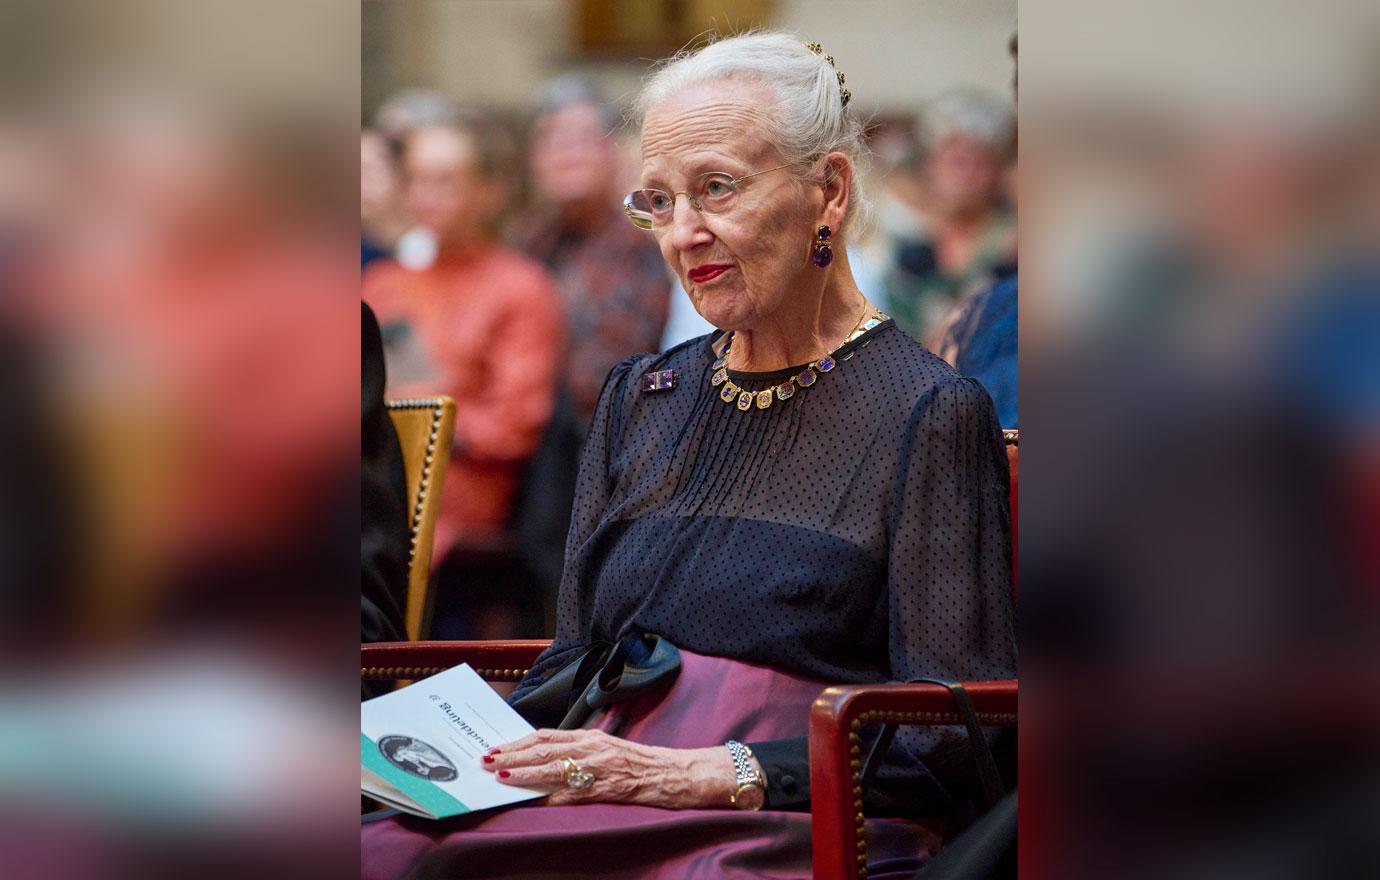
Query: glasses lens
(638, 209)
(717, 192)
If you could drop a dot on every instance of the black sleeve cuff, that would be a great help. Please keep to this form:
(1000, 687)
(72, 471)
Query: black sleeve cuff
(787, 765)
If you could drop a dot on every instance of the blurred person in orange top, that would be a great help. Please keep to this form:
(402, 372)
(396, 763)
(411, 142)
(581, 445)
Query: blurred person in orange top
(481, 324)
(389, 231)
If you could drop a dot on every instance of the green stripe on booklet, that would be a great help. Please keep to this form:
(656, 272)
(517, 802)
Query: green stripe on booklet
(424, 795)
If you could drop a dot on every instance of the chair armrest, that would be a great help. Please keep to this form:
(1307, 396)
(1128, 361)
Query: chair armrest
(836, 721)
(494, 661)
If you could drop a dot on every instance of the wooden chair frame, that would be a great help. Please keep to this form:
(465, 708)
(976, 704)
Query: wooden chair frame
(425, 463)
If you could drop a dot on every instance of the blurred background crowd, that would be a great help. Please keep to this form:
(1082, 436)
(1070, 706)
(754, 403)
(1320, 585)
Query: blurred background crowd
(504, 274)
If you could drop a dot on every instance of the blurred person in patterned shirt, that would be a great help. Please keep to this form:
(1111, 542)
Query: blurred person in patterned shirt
(611, 279)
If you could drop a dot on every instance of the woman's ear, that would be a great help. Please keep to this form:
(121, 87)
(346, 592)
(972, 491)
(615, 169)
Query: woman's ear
(838, 181)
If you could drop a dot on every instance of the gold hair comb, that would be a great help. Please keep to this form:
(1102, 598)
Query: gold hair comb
(819, 50)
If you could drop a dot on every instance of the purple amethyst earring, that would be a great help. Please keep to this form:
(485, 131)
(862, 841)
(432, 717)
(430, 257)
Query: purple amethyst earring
(822, 254)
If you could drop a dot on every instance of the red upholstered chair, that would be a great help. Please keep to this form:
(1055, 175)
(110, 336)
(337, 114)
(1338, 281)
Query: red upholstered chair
(1013, 439)
(836, 718)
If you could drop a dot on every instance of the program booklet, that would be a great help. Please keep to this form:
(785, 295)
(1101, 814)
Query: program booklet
(420, 747)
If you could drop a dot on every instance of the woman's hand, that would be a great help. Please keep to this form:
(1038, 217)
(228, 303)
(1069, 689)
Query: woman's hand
(624, 772)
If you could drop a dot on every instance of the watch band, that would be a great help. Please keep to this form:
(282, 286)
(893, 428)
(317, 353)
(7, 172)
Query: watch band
(745, 773)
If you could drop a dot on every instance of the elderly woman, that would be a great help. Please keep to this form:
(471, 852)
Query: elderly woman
(804, 497)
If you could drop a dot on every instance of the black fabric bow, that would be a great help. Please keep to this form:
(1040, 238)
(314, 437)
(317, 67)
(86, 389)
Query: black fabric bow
(603, 674)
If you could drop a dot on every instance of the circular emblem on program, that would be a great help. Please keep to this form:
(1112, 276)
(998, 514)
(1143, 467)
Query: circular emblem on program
(416, 757)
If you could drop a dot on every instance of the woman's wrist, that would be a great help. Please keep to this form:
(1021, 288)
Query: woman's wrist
(712, 777)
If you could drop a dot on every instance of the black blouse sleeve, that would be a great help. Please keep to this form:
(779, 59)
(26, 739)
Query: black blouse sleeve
(786, 763)
(952, 609)
(592, 486)
(949, 597)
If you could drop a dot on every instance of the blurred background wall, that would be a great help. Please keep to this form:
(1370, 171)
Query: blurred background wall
(896, 53)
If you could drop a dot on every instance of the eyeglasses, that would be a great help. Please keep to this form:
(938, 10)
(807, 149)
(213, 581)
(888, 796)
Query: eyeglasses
(712, 193)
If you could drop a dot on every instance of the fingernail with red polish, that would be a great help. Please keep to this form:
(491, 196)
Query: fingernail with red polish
(488, 759)
(504, 774)
(494, 751)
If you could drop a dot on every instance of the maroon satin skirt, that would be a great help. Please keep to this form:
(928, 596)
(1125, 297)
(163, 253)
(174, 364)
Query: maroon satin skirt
(710, 701)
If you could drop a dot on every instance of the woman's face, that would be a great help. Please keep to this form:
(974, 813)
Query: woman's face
(573, 159)
(744, 265)
(445, 191)
(964, 175)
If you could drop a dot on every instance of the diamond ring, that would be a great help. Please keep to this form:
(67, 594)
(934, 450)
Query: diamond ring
(575, 777)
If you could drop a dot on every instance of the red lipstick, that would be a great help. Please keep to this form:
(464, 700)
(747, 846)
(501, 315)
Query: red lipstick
(707, 271)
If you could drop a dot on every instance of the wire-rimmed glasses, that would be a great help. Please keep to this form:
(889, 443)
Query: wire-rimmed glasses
(712, 193)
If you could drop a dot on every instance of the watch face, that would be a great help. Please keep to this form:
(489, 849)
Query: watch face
(750, 797)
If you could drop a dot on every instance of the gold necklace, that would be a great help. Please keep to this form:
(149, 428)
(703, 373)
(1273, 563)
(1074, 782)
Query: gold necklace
(745, 400)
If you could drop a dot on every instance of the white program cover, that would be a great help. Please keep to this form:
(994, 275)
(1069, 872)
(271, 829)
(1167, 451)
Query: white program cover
(420, 747)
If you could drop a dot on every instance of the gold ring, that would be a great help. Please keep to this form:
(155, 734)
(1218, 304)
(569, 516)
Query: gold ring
(575, 777)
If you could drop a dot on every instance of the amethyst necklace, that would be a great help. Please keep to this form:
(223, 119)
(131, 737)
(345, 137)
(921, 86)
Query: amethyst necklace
(745, 400)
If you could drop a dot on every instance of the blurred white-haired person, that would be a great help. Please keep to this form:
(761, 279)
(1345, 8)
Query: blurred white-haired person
(964, 237)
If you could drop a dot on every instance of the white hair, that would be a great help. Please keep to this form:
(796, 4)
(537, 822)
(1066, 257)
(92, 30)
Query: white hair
(975, 112)
(807, 119)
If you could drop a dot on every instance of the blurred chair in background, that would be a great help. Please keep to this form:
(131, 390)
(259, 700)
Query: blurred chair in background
(425, 426)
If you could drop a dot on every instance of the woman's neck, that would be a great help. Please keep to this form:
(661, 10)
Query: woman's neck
(802, 333)
(585, 215)
(463, 249)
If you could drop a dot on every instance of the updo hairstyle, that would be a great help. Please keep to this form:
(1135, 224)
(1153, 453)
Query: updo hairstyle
(808, 117)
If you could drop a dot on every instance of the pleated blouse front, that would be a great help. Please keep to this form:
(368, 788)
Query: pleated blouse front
(857, 532)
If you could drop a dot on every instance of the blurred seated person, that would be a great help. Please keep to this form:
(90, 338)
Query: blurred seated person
(981, 341)
(382, 218)
(964, 234)
(611, 278)
(481, 324)
(614, 290)
(804, 496)
(384, 536)
(385, 540)
(980, 338)
(401, 114)
(407, 110)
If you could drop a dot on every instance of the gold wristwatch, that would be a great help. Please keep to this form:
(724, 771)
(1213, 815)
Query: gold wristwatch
(750, 792)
